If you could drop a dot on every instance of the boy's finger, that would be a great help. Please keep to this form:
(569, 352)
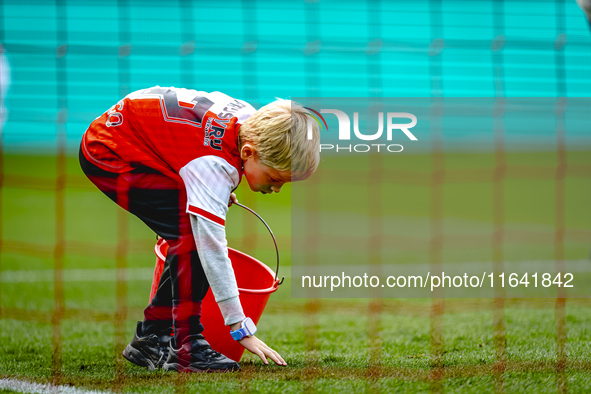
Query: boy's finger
(274, 357)
(233, 199)
(280, 359)
(262, 355)
(277, 355)
(272, 354)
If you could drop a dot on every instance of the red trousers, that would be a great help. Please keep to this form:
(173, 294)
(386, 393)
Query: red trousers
(160, 202)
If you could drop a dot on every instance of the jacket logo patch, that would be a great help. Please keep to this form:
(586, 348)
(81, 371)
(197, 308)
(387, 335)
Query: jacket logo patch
(214, 132)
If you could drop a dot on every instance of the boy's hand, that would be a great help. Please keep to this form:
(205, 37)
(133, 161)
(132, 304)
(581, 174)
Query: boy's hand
(233, 199)
(258, 347)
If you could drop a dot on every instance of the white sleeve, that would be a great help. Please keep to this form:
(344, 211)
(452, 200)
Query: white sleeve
(209, 180)
(212, 248)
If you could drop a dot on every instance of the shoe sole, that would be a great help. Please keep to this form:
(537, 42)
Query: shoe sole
(179, 368)
(136, 357)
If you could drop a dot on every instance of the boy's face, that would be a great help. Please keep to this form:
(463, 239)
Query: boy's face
(262, 178)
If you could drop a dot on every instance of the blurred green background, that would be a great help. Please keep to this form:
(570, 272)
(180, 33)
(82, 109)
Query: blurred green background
(70, 61)
(77, 59)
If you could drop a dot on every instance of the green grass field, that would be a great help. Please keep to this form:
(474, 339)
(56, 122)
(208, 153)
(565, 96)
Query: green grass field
(337, 345)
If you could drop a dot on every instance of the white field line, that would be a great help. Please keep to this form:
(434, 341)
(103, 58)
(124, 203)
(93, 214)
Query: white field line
(85, 275)
(75, 275)
(23, 386)
(146, 274)
(574, 265)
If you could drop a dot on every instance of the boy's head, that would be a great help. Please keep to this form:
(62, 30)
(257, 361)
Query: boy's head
(275, 148)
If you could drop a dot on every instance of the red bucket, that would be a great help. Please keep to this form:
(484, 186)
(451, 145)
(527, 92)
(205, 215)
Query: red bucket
(255, 281)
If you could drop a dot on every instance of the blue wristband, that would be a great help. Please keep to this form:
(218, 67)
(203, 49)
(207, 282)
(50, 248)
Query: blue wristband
(247, 329)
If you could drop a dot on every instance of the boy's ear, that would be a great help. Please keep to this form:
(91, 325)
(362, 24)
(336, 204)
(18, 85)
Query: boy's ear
(248, 151)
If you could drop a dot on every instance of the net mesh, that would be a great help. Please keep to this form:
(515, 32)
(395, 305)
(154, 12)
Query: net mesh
(256, 51)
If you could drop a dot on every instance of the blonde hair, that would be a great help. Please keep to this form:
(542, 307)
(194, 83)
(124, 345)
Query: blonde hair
(279, 131)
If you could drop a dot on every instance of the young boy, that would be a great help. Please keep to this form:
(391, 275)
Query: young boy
(173, 158)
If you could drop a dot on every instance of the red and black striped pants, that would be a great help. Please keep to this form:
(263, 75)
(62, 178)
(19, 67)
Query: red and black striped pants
(160, 202)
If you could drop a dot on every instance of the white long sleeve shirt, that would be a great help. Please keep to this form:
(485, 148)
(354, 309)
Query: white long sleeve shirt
(209, 181)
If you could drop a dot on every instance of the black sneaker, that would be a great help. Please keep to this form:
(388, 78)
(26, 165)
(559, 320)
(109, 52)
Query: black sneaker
(195, 355)
(148, 351)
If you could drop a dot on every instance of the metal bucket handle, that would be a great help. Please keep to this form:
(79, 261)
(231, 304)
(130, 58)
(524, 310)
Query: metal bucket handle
(272, 235)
